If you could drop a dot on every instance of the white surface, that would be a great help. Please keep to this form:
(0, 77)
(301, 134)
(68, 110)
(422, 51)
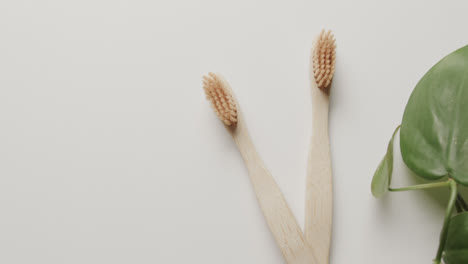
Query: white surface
(109, 152)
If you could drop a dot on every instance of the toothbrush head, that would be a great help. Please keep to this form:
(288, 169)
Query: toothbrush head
(323, 60)
(219, 92)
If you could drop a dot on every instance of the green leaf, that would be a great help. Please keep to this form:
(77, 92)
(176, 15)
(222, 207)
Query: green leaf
(456, 247)
(434, 130)
(383, 174)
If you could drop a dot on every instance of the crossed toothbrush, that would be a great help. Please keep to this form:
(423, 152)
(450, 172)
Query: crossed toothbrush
(312, 246)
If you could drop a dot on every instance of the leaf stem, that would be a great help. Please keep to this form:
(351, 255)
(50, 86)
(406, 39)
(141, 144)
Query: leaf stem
(448, 216)
(421, 186)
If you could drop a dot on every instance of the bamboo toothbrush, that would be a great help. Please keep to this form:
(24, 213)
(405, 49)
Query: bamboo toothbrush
(281, 221)
(319, 193)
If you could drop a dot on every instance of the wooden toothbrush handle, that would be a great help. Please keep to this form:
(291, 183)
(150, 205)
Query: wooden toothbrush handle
(319, 193)
(280, 220)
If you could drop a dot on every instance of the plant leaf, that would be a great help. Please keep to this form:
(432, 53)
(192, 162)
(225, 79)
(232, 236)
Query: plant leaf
(383, 173)
(456, 247)
(434, 130)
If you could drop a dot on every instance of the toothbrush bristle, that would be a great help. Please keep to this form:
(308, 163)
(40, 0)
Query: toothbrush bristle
(323, 60)
(219, 94)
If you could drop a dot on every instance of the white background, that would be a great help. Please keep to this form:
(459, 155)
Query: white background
(109, 152)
